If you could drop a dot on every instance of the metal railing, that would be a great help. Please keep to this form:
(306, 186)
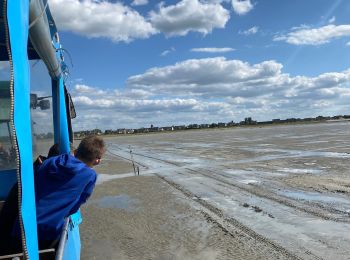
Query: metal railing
(63, 240)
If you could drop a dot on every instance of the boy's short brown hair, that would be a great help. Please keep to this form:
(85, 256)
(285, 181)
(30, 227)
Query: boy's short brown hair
(90, 148)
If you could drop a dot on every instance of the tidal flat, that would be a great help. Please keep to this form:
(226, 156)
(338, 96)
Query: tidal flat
(275, 192)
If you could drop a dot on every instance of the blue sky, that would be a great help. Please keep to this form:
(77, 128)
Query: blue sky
(142, 62)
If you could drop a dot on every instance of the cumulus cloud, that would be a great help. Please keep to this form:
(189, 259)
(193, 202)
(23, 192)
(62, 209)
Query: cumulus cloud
(118, 109)
(93, 19)
(139, 2)
(187, 16)
(242, 7)
(118, 22)
(221, 78)
(250, 31)
(212, 50)
(81, 88)
(211, 76)
(211, 90)
(315, 36)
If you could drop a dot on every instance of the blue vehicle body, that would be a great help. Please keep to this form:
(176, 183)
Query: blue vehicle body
(22, 44)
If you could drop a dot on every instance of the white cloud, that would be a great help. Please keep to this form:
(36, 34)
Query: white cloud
(211, 90)
(316, 36)
(139, 2)
(221, 78)
(166, 52)
(212, 50)
(187, 16)
(211, 76)
(250, 31)
(331, 20)
(242, 7)
(81, 89)
(118, 22)
(93, 19)
(348, 44)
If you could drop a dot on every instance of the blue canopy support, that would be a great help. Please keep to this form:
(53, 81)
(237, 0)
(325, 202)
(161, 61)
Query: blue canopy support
(60, 116)
(18, 17)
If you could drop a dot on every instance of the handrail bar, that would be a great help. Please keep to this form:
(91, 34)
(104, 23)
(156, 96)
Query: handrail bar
(51, 250)
(63, 240)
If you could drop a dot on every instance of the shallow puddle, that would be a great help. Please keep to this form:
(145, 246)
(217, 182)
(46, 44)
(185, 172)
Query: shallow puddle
(123, 202)
(314, 196)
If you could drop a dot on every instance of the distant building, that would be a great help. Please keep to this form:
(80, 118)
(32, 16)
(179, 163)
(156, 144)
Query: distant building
(248, 121)
(121, 131)
(193, 126)
(168, 128)
(231, 123)
(179, 127)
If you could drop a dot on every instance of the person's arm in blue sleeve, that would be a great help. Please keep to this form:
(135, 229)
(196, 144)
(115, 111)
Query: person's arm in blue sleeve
(85, 195)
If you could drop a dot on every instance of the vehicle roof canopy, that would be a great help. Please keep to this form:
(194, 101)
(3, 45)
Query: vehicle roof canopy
(32, 54)
(41, 36)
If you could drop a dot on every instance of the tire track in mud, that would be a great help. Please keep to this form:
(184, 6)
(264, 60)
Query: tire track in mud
(317, 212)
(314, 210)
(232, 226)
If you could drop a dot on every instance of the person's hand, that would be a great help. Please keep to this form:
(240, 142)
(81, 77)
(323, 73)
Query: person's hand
(40, 159)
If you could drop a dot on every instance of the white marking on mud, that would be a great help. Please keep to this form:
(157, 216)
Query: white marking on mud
(316, 142)
(101, 178)
(310, 163)
(237, 172)
(249, 181)
(300, 171)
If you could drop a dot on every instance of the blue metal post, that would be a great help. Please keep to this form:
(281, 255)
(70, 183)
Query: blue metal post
(18, 17)
(60, 116)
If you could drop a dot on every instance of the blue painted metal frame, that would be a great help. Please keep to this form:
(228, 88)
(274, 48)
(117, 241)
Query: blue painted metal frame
(18, 18)
(60, 116)
(72, 246)
(61, 136)
(18, 12)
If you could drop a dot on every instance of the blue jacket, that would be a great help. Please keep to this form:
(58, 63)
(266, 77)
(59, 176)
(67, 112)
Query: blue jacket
(62, 184)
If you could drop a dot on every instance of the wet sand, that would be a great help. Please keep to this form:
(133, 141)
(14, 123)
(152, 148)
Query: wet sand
(245, 193)
(142, 218)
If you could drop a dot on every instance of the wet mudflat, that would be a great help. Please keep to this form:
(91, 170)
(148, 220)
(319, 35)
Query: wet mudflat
(278, 192)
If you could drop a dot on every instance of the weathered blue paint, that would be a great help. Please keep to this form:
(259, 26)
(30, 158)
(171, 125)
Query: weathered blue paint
(18, 17)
